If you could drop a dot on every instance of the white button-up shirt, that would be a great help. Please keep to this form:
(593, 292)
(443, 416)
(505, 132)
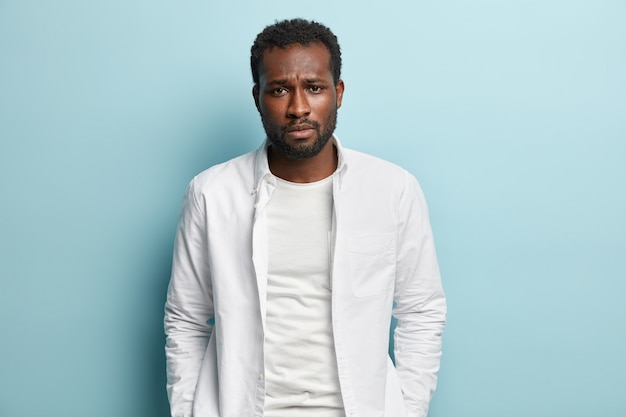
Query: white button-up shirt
(383, 263)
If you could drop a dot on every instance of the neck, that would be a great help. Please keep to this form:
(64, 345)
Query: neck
(306, 170)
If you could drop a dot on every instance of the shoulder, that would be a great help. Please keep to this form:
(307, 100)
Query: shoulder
(366, 165)
(230, 175)
(373, 176)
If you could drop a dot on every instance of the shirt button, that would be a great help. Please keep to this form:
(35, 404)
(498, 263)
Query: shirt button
(261, 377)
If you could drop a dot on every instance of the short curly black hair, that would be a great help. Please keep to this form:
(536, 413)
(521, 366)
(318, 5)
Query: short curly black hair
(288, 32)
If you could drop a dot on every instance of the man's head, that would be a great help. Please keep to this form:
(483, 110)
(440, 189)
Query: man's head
(295, 31)
(297, 87)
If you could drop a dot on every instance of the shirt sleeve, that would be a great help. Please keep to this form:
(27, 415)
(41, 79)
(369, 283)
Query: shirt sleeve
(189, 306)
(420, 305)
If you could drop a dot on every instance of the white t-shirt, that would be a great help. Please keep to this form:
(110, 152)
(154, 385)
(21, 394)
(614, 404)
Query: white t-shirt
(300, 361)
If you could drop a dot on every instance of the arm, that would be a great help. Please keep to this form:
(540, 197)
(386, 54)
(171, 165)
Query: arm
(420, 305)
(189, 306)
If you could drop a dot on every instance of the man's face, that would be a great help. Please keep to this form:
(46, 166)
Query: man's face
(297, 99)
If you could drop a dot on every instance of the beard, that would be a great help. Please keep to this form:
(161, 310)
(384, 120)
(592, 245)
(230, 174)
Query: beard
(276, 135)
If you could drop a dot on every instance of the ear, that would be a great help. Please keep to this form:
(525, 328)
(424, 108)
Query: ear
(339, 91)
(255, 94)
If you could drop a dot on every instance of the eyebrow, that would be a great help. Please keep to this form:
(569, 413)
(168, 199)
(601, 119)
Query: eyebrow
(284, 81)
(277, 82)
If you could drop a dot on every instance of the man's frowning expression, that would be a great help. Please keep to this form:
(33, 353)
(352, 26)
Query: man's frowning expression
(298, 99)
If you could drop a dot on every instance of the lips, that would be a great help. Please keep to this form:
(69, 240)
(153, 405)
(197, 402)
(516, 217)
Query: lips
(300, 127)
(301, 131)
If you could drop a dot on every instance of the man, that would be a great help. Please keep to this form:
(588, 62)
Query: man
(290, 261)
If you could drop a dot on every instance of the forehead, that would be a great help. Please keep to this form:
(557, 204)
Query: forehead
(296, 60)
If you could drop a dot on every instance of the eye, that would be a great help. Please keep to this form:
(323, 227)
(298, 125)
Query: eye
(279, 91)
(315, 89)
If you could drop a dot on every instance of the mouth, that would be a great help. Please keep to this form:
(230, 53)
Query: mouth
(298, 128)
(302, 131)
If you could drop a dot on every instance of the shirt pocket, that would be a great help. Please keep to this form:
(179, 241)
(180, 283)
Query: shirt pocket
(372, 260)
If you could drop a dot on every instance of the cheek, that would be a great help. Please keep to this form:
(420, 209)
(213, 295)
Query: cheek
(267, 112)
(325, 105)
(272, 119)
(272, 108)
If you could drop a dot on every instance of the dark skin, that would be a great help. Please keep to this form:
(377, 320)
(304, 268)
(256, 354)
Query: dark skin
(295, 86)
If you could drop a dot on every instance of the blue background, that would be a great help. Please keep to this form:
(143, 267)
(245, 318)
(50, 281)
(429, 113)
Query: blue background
(512, 114)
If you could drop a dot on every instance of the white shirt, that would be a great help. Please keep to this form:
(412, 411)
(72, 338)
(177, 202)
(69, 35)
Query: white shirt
(301, 377)
(383, 263)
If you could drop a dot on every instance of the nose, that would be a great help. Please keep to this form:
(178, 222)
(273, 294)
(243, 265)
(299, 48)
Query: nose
(298, 105)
